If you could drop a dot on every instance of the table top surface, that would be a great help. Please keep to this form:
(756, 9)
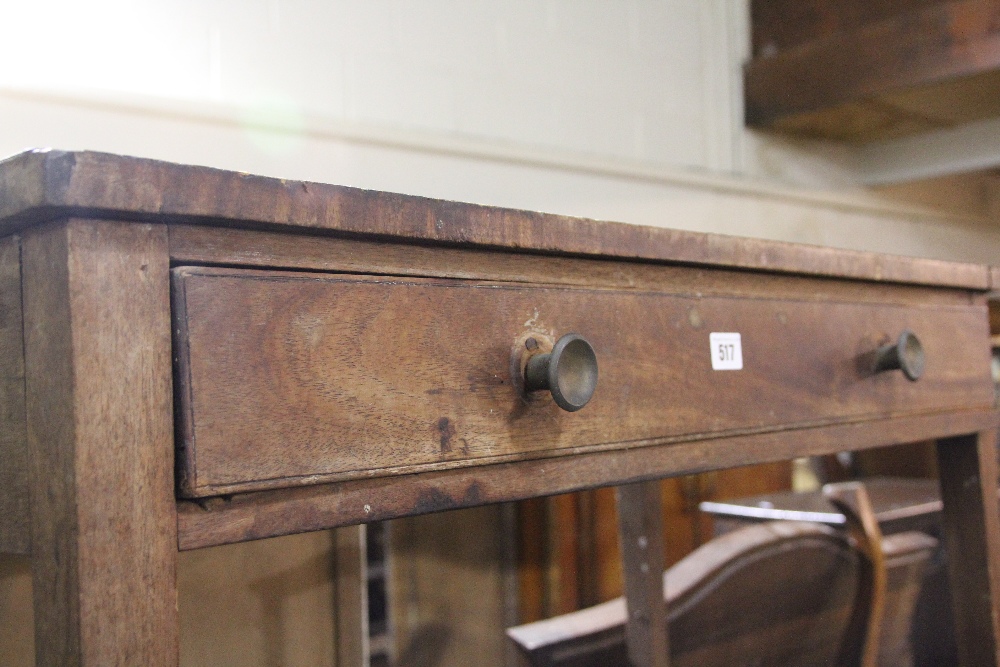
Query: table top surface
(892, 498)
(41, 185)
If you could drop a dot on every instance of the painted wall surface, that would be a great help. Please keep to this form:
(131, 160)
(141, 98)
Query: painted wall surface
(636, 79)
(627, 111)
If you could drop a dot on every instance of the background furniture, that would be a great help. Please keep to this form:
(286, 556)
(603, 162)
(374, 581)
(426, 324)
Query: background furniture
(910, 84)
(774, 593)
(568, 553)
(192, 357)
(899, 504)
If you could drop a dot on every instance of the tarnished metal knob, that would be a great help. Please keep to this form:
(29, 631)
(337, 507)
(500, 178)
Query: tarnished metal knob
(906, 354)
(569, 372)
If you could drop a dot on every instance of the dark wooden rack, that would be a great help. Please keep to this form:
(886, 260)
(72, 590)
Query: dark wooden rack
(862, 71)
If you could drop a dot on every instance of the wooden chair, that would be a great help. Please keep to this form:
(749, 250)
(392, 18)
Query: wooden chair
(781, 593)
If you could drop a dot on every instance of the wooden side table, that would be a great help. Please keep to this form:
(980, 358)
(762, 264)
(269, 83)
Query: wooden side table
(192, 357)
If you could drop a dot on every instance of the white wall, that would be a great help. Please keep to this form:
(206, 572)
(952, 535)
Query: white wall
(633, 79)
(624, 110)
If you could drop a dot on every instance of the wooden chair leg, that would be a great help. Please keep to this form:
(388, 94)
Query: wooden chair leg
(971, 530)
(865, 626)
(640, 528)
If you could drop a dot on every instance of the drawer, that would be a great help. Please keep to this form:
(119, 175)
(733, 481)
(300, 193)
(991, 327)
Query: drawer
(288, 378)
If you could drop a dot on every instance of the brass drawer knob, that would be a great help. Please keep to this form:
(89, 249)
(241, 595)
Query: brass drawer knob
(906, 354)
(569, 372)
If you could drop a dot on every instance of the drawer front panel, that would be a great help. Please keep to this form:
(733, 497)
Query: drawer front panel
(297, 378)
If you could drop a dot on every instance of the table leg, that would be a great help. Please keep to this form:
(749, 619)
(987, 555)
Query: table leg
(15, 531)
(971, 529)
(640, 528)
(351, 596)
(100, 439)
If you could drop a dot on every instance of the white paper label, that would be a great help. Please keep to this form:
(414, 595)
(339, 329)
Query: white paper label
(727, 351)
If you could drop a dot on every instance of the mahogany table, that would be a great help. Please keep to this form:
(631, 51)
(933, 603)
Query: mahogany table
(191, 357)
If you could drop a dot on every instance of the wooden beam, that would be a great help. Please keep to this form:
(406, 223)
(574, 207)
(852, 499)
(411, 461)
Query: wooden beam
(935, 43)
(780, 25)
(281, 512)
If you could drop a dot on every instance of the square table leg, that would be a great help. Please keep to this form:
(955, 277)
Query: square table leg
(351, 596)
(100, 440)
(971, 529)
(640, 530)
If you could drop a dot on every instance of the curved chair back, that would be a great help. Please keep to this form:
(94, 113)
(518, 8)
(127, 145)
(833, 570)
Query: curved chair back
(781, 593)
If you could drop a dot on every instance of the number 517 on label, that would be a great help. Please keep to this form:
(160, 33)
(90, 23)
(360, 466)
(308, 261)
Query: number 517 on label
(727, 351)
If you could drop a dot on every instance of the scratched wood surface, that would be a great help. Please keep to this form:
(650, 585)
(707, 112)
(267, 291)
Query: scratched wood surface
(15, 526)
(100, 435)
(44, 185)
(291, 378)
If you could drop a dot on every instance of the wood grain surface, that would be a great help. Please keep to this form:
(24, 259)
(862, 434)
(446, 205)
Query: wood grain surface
(99, 415)
(15, 522)
(44, 185)
(262, 514)
(337, 381)
(191, 244)
(298, 378)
